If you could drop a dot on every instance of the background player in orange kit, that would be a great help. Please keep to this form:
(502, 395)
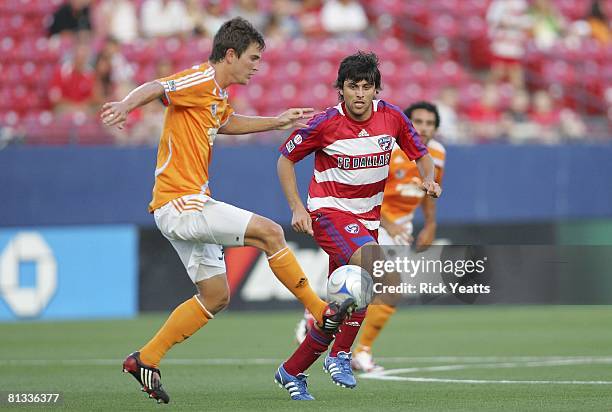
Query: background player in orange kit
(403, 194)
(194, 223)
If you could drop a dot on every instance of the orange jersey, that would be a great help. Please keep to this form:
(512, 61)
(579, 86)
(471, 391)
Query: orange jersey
(402, 191)
(196, 108)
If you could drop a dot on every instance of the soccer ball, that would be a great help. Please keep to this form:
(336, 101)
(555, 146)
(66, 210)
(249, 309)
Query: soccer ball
(350, 281)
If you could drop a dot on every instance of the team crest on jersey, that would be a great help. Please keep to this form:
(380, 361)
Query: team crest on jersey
(384, 143)
(353, 228)
(297, 139)
(290, 146)
(171, 85)
(213, 109)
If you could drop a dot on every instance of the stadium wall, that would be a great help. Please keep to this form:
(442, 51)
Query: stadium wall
(483, 184)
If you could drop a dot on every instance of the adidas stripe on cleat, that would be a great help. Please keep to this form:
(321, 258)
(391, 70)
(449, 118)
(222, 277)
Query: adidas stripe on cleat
(148, 377)
(334, 315)
(295, 385)
(339, 368)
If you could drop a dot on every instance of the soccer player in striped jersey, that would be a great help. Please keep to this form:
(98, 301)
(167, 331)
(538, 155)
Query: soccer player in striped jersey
(197, 225)
(353, 143)
(403, 195)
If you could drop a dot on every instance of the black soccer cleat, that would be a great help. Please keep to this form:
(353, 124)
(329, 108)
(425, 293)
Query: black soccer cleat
(148, 377)
(334, 315)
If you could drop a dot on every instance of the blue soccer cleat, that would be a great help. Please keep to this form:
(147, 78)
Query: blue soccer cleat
(339, 368)
(296, 385)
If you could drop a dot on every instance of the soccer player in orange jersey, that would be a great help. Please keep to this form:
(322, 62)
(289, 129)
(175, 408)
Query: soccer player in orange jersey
(403, 194)
(194, 223)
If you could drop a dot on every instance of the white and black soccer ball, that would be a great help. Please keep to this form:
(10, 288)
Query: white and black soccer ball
(350, 281)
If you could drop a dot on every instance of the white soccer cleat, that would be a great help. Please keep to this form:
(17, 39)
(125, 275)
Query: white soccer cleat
(362, 361)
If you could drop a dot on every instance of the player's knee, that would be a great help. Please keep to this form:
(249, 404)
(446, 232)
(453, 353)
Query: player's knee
(273, 237)
(217, 303)
(222, 303)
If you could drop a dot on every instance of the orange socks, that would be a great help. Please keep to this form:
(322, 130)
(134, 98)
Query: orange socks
(375, 320)
(183, 322)
(287, 269)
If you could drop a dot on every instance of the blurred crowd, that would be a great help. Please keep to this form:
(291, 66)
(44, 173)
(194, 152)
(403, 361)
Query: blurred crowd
(507, 100)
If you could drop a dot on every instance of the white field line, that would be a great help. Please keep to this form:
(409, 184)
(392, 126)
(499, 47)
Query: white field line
(495, 361)
(392, 374)
(489, 382)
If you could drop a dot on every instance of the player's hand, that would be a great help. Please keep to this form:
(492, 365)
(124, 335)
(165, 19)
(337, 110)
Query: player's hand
(294, 118)
(426, 237)
(114, 114)
(431, 188)
(301, 221)
(399, 234)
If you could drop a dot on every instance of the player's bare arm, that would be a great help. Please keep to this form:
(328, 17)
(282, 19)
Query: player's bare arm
(115, 113)
(427, 235)
(397, 232)
(426, 169)
(289, 119)
(300, 221)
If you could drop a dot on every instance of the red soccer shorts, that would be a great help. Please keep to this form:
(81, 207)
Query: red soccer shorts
(340, 235)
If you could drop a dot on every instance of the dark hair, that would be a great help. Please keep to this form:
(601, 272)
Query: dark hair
(430, 107)
(237, 34)
(357, 67)
(597, 11)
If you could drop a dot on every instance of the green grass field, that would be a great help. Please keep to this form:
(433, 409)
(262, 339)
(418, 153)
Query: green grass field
(560, 356)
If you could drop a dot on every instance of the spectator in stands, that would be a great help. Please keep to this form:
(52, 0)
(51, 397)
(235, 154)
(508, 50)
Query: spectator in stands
(103, 90)
(281, 23)
(72, 16)
(72, 86)
(122, 70)
(546, 117)
(548, 24)
(449, 129)
(571, 124)
(309, 17)
(117, 19)
(112, 72)
(516, 121)
(160, 18)
(509, 26)
(248, 10)
(484, 116)
(599, 24)
(209, 20)
(343, 17)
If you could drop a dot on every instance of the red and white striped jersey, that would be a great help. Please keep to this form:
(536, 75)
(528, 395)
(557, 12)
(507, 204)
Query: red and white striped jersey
(352, 158)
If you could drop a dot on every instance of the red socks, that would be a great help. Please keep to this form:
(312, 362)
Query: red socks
(317, 342)
(308, 352)
(347, 333)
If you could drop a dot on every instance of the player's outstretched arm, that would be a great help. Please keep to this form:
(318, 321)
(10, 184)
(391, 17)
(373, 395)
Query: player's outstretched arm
(300, 221)
(426, 169)
(428, 233)
(115, 113)
(290, 119)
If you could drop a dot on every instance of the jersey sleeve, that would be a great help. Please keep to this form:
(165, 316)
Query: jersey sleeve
(227, 113)
(187, 88)
(304, 141)
(408, 138)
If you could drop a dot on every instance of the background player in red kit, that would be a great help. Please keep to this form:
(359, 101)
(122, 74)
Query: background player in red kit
(352, 143)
